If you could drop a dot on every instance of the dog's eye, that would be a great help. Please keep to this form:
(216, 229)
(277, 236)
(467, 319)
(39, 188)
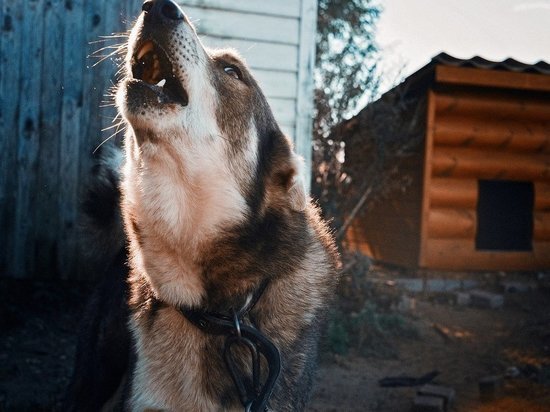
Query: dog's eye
(233, 72)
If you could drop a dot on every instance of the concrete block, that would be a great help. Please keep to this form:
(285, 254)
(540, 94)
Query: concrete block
(416, 285)
(462, 298)
(406, 304)
(424, 403)
(483, 299)
(447, 394)
(511, 286)
(512, 372)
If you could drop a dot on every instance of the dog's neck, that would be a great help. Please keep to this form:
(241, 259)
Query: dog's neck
(174, 211)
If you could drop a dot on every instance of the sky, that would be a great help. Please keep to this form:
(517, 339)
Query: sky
(410, 32)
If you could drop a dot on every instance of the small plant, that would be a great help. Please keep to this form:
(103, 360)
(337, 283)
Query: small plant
(338, 340)
(368, 332)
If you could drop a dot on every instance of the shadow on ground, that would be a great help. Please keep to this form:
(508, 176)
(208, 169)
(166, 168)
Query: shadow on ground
(39, 320)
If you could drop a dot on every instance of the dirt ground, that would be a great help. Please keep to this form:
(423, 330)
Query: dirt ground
(465, 344)
(38, 321)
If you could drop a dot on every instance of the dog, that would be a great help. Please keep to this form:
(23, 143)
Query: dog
(217, 300)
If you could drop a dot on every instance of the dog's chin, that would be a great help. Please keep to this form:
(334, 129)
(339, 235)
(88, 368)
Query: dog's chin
(149, 107)
(145, 94)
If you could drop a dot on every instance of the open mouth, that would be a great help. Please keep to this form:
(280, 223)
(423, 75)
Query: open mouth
(151, 65)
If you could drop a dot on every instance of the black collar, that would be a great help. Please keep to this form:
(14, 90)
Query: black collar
(254, 394)
(211, 322)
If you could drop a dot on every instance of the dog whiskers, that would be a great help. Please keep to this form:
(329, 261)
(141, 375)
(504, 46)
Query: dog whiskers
(105, 57)
(119, 48)
(118, 129)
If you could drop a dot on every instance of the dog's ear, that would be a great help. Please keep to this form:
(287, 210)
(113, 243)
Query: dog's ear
(295, 186)
(285, 186)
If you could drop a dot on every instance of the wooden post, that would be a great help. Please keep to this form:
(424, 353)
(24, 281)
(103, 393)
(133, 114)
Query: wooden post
(428, 150)
(304, 99)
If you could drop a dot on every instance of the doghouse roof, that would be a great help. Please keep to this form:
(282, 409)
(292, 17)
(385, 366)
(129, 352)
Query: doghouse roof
(427, 75)
(441, 69)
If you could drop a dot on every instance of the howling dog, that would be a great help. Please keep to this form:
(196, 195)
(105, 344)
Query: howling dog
(215, 300)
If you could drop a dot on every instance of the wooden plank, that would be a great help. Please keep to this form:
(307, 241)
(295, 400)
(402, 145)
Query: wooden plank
(483, 164)
(277, 84)
(28, 130)
(452, 223)
(541, 226)
(130, 12)
(287, 8)
(385, 221)
(288, 130)
(259, 55)
(493, 105)
(304, 99)
(284, 110)
(463, 193)
(100, 18)
(428, 154)
(73, 128)
(392, 226)
(10, 77)
(378, 227)
(491, 78)
(384, 249)
(542, 196)
(4, 142)
(46, 200)
(460, 254)
(94, 80)
(474, 131)
(104, 73)
(398, 210)
(245, 26)
(451, 192)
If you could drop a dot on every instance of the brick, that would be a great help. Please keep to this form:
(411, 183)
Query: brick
(489, 300)
(424, 403)
(489, 387)
(447, 394)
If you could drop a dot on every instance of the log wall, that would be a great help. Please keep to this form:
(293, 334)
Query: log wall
(490, 134)
(389, 229)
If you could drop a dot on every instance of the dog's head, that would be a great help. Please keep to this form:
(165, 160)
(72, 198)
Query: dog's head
(202, 135)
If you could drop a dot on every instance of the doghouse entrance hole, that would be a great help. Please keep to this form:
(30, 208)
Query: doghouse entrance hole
(505, 215)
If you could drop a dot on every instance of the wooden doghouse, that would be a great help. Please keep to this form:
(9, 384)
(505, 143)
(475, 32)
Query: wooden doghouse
(477, 189)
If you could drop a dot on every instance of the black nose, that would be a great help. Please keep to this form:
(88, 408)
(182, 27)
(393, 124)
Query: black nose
(159, 11)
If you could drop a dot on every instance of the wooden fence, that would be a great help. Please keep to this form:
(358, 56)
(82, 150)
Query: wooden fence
(50, 123)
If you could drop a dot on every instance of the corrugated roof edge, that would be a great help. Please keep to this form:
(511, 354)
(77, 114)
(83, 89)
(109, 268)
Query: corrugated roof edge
(480, 63)
(424, 76)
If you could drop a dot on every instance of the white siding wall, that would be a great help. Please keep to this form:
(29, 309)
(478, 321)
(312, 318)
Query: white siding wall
(277, 39)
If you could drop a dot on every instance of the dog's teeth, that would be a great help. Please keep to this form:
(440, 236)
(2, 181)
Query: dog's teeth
(161, 83)
(145, 49)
